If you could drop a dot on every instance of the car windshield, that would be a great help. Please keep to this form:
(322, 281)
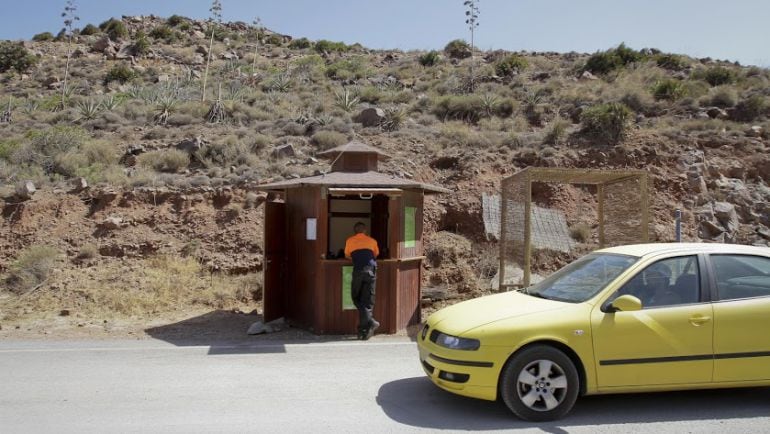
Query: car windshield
(582, 279)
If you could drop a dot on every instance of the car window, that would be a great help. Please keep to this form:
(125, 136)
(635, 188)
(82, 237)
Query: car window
(582, 279)
(668, 282)
(741, 276)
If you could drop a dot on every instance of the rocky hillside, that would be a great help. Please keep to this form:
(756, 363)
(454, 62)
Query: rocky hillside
(128, 160)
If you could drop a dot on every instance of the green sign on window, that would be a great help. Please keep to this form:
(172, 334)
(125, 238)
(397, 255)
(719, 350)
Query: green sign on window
(347, 283)
(410, 226)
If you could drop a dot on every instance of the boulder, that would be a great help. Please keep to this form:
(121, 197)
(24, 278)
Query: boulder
(200, 49)
(79, 184)
(716, 113)
(755, 131)
(370, 117)
(284, 151)
(191, 145)
(111, 223)
(25, 190)
(588, 76)
(725, 213)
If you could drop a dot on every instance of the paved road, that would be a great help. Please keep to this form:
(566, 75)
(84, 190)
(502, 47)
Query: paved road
(268, 386)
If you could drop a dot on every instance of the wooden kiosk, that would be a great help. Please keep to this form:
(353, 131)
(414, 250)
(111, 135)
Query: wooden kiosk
(307, 278)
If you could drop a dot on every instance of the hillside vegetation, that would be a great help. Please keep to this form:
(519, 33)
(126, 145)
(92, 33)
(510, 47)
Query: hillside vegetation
(169, 170)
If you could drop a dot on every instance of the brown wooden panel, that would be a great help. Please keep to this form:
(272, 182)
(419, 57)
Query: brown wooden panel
(276, 293)
(303, 255)
(339, 321)
(408, 293)
(411, 199)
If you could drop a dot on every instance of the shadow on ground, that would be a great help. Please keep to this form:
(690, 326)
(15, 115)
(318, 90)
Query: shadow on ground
(224, 332)
(419, 403)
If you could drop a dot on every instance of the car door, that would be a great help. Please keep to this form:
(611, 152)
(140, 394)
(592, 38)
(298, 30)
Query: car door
(741, 317)
(669, 341)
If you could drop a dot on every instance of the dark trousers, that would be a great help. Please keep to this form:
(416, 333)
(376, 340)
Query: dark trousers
(362, 292)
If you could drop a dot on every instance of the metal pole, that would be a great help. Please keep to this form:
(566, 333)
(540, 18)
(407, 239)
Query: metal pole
(678, 215)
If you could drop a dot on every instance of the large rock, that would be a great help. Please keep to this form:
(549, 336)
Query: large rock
(284, 151)
(725, 213)
(25, 190)
(79, 184)
(191, 145)
(370, 117)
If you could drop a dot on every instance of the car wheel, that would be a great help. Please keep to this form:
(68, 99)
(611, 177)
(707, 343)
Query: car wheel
(540, 383)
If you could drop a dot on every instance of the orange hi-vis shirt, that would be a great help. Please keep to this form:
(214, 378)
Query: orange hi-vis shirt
(361, 241)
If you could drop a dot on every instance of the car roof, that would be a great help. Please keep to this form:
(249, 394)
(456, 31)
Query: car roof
(640, 250)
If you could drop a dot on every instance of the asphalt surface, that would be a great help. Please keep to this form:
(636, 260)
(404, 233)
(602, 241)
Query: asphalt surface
(336, 386)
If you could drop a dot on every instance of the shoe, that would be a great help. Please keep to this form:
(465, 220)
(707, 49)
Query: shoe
(372, 329)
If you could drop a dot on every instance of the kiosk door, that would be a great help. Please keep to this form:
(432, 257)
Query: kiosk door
(275, 296)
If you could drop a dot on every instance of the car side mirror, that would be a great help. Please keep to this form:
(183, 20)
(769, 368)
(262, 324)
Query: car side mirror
(625, 303)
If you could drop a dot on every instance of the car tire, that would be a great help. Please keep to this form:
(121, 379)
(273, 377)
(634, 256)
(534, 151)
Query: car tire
(540, 383)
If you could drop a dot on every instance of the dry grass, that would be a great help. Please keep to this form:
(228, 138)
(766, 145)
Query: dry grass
(146, 289)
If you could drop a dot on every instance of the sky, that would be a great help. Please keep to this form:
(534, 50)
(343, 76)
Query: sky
(736, 30)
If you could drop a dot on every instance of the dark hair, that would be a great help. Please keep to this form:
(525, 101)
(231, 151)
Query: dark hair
(359, 227)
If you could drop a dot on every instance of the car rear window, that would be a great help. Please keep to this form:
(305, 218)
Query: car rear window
(741, 276)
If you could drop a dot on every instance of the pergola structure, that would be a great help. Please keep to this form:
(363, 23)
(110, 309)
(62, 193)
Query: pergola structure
(623, 210)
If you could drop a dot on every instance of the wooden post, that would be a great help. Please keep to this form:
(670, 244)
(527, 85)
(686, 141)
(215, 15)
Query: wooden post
(527, 229)
(602, 238)
(503, 217)
(645, 208)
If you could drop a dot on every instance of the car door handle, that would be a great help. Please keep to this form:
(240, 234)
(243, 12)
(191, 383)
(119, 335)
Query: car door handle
(699, 320)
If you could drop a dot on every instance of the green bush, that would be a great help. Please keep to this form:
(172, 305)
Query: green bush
(604, 62)
(175, 20)
(511, 65)
(115, 29)
(141, 45)
(274, 40)
(41, 37)
(167, 160)
(606, 122)
(162, 32)
(431, 58)
(324, 46)
(299, 44)
(120, 73)
(8, 148)
(468, 108)
(329, 139)
(458, 49)
(716, 76)
(89, 30)
(87, 161)
(13, 56)
(31, 268)
(673, 62)
(41, 148)
(669, 90)
(750, 109)
(354, 67)
(724, 97)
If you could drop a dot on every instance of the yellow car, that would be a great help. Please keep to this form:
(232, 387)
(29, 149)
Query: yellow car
(647, 317)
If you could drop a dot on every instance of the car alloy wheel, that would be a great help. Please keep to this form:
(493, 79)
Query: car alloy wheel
(542, 385)
(539, 383)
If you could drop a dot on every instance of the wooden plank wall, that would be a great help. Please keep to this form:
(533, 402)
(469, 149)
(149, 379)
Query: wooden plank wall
(338, 321)
(303, 255)
(408, 298)
(412, 199)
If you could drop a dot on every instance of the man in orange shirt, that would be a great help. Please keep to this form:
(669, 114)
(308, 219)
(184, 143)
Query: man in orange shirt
(363, 250)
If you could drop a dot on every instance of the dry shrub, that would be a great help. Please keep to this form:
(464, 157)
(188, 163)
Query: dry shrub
(580, 232)
(329, 139)
(31, 268)
(167, 160)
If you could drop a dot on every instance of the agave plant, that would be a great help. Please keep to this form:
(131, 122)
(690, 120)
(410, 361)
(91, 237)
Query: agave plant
(280, 83)
(88, 109)
(111, 102)
(163, 110)
(394, 118)
(346, 100)
(489, 103)
(30, 106)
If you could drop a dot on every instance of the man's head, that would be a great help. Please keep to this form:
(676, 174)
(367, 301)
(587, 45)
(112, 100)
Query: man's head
(359, 228)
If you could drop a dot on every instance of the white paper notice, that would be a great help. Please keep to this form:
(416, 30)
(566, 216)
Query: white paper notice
(311, 229)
